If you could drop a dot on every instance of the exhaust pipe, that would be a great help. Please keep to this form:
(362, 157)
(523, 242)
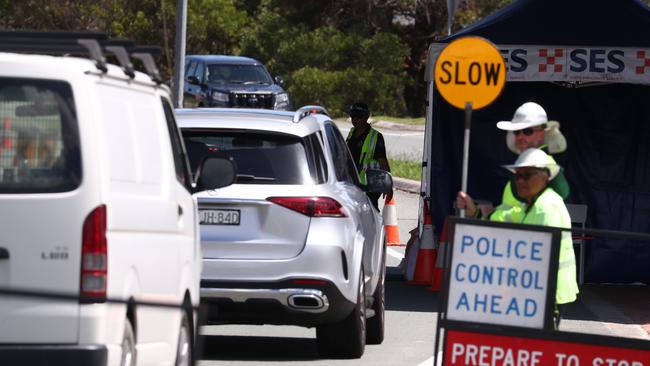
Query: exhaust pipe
(305, 302)
(308, 300)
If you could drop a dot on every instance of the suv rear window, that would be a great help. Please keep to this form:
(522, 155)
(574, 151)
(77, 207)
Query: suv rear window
(39, 139)
(260, 157)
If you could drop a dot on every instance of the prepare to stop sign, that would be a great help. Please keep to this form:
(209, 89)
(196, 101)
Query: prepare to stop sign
(470, 70)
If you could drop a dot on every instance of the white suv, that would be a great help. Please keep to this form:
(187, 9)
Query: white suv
(295, 240)
(96, 205)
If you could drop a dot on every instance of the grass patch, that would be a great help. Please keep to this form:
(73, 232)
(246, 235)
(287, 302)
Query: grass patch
(404, 168)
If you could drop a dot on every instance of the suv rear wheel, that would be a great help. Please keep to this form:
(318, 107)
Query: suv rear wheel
(347, 338)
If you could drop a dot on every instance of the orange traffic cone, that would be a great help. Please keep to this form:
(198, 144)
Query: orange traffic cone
(426, 259)
(436, 280)
(389, 213)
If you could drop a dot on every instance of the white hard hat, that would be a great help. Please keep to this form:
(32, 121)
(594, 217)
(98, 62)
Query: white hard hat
(529, 114)
(535, 158)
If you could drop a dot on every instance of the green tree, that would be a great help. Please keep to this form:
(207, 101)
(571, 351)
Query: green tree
(215, 27)
(344, 68)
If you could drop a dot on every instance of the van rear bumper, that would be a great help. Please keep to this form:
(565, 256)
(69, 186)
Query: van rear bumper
(43, 354)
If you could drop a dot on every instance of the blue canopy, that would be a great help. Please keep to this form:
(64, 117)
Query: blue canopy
(620, 23)
(607, 125)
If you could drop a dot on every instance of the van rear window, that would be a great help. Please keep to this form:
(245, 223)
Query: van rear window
(39, 137)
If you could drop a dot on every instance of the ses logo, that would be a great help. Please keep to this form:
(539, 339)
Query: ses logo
(549, 63)
(576, 60)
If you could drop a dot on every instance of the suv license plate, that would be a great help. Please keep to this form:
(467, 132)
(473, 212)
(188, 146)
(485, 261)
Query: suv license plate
(219, 217)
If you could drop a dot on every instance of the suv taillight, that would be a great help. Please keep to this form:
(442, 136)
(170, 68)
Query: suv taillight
(311, 206)
(94, 261)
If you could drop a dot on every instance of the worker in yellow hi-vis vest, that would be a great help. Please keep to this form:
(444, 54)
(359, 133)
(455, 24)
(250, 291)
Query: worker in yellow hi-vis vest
(367, 147)
(542, 205)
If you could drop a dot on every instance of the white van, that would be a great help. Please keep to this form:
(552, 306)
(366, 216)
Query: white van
(96, 202)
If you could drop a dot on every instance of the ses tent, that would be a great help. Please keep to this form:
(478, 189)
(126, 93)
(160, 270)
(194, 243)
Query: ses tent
(588, 64)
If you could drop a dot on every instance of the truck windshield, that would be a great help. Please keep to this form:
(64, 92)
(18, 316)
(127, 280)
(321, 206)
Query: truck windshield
(238, 74)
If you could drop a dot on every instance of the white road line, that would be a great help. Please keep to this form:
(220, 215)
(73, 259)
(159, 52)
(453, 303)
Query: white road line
(429, 361)
(394, 253)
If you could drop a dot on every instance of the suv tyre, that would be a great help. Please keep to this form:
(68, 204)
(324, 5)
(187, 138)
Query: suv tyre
(347, 338)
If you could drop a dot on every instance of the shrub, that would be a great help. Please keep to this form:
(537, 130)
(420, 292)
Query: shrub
(334, 69)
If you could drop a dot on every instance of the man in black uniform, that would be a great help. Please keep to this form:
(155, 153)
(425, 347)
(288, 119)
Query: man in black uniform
(367, 147)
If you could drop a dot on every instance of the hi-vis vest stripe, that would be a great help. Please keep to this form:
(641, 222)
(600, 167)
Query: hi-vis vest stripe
(366, 159)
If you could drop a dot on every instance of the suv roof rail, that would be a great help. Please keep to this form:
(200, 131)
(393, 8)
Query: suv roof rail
(304, 111)
(89, 43)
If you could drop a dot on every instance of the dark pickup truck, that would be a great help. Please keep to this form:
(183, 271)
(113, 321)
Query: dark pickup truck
(231, 82)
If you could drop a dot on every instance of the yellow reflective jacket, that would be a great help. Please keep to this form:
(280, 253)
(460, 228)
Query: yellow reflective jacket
(367, 158)
(549, 210)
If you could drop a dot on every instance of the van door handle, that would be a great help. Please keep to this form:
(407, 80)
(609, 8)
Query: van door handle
(4, 253)
(180, 211)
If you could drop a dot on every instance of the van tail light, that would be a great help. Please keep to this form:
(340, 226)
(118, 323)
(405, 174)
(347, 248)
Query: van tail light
(94, 261)
(311, 206)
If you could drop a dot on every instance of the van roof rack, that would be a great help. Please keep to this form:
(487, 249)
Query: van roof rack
(304, 111)
(93, 44)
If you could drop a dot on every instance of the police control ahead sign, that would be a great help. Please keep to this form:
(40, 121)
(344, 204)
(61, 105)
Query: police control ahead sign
(470, 70)
(502, 274)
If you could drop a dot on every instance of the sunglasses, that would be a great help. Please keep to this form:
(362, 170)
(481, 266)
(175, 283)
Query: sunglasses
(527, 174)
(357, 115)
(528, 131)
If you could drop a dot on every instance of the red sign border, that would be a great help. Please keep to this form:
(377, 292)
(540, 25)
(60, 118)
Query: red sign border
(568, 337)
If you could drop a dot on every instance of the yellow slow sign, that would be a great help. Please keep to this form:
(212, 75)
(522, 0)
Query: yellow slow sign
(470, 70)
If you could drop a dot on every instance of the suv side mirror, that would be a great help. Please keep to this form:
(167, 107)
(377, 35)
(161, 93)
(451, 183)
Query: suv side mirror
(215, 172)
(379, 181)
(193, 80)
(279, 80)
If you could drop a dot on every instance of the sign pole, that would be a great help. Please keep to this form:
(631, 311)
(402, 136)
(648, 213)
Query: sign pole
(179, 53)
(468, 122)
